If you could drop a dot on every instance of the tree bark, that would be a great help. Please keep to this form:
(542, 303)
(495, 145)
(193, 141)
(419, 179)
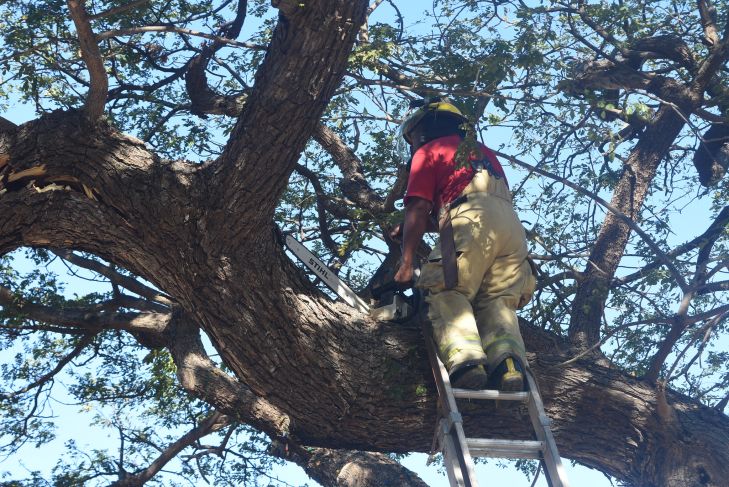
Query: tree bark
(321, 372)
(628, 197)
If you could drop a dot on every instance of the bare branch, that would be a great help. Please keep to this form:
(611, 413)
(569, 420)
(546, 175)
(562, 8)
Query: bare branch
(147, 326)
(398, 188)
(704, 333)
(662, 256)
(118, 10)
(707, 11)
(712, 232)
(321, 205)
(364, 29)
(354, 184)
(211, 424)
(204, 100)
(96, 99)
(374, 5)
(179, 30)
(713, 287)
(680, 325)
(85, 340)
(107, 271)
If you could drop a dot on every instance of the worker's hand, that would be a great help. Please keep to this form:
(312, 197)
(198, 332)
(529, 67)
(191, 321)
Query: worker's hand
(405, 274)
(396, 232)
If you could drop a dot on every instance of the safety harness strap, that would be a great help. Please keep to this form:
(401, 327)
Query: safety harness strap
(448, 252)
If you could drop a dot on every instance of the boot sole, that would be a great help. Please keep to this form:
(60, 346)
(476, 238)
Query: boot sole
(512, 382)
(471, 380)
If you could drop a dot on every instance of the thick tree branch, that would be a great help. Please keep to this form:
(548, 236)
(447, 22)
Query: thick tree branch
(67, 187)
(354, 185)
(713, 287)
(707, 12)
(202, 378)
(638, 173)
(96, 98)
(341, 468)
(604, 74)
(7, 138)
(668, 46)
(288, 97)
(204, 100)
(717, 58)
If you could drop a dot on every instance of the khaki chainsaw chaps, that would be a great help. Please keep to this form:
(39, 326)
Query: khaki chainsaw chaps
(476, 321)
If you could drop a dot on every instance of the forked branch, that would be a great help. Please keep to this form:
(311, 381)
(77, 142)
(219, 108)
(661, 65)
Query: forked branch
(211, 424)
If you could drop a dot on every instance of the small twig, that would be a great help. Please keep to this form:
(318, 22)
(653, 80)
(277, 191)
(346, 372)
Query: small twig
(595, 346)
(536, 476)
(85, 340)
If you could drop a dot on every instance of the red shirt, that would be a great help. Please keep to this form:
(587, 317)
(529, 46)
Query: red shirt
(433, 173)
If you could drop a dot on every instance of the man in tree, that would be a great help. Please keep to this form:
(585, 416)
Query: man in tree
(477, 275)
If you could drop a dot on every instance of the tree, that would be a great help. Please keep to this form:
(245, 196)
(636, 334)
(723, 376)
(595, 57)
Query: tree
(168, 156)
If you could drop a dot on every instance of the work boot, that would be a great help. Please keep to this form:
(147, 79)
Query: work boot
(469, 377)
(507, 376)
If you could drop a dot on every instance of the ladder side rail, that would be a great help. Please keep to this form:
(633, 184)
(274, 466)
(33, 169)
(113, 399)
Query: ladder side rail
(553, 468)
(450, 410)
(450, 457)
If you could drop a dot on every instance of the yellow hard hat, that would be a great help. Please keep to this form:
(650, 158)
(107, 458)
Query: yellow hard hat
(435, 106)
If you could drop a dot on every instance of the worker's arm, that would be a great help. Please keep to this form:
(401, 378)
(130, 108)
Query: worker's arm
(396, 232)
(417, 222)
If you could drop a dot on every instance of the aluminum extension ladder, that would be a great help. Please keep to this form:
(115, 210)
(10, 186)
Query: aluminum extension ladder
(458, 451)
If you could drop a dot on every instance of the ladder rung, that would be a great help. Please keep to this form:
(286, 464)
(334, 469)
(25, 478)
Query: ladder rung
(490, 394)
(525, 455)
(482, 447)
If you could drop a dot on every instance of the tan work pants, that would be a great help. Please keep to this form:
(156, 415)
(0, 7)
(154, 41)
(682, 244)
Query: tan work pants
(476, 321)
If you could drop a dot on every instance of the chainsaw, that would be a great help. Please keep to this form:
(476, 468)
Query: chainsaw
(389, 299)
